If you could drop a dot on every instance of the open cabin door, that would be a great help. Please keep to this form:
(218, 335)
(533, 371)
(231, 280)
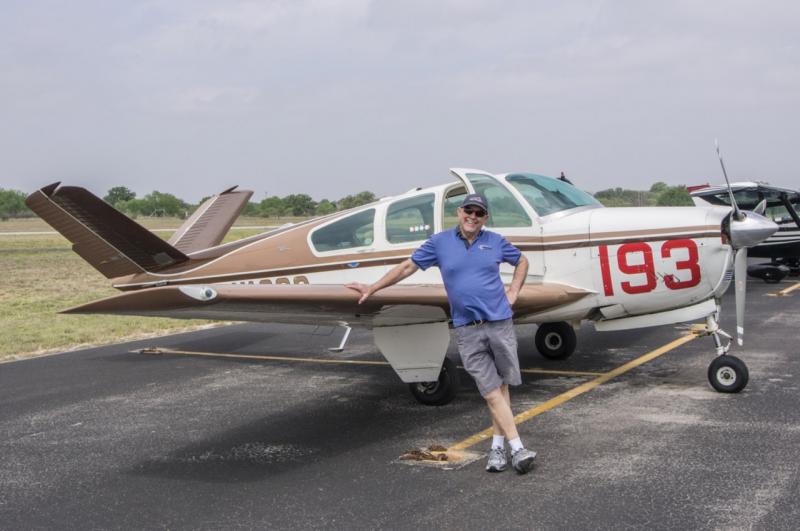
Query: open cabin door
(509, 215)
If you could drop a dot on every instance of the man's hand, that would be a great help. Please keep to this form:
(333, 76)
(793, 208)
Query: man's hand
(511, 295)
(363, 289)
(395, 275)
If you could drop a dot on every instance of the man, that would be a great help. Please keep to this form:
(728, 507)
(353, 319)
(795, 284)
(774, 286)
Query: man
(469, 259)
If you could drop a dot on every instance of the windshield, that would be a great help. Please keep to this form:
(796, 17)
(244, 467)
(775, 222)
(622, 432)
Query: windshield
(547, 195)
(504, 209)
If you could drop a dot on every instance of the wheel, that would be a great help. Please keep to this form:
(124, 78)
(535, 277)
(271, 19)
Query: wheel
(555, 341)
(440, 392)
(728, 374)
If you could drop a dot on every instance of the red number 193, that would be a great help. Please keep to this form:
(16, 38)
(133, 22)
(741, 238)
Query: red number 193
(647, 268)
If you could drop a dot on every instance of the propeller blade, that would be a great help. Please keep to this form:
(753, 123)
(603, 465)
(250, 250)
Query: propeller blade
(761, 207)
(740, 274)
(737, 214)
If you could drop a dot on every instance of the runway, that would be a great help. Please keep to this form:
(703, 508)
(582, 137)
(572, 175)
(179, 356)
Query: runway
(259, 426)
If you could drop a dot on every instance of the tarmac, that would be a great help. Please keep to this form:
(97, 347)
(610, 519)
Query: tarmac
(260, 426)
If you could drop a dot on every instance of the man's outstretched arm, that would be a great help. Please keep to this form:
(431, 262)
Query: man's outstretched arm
(404, 269)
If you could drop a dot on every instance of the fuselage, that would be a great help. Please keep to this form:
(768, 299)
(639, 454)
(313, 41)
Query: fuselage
(634, 260)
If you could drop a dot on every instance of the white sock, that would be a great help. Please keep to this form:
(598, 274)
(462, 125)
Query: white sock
(516, 444)
(498, 441)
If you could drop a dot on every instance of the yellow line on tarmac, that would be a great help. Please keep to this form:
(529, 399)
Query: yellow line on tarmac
(784, 292)
(330, 361)
(557, 373)
(261, 357)
(577, 391)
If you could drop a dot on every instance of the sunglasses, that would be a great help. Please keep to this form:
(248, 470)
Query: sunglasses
(479, 212)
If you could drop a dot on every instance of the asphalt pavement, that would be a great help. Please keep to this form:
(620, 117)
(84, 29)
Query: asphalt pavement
(109, 438)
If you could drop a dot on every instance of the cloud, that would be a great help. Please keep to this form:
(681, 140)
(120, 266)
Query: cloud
(331, 94)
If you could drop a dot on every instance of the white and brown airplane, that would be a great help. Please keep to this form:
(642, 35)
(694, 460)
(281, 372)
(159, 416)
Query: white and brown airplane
(620, 268)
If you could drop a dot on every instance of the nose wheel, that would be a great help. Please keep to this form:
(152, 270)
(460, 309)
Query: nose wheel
(726, 374)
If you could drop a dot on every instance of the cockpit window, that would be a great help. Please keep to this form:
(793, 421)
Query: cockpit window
(410, 220)
(357, 230)
(547, 195)
(504, 209)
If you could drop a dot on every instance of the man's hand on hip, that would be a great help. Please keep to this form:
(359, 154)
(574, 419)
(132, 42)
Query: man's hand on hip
(511, 295)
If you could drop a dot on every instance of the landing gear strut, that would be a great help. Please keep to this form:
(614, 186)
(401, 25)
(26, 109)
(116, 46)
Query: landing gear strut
(727, 374)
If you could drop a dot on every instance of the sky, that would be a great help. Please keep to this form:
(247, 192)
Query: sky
(329, 98)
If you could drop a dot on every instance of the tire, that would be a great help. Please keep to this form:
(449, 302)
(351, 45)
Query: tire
(556, 341)
(728, 374)
(440, 392)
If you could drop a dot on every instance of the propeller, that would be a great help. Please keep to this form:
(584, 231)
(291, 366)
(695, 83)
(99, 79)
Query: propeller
(746, 230)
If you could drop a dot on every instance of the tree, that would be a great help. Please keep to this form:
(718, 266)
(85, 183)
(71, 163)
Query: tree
(251, 209)
(352, 201)
(118, 194)
(675, 196)
(12, 204)
(621, 197)
(658, 187)
(325, 207)
(155, 204)
(299, 204)
(272, 207)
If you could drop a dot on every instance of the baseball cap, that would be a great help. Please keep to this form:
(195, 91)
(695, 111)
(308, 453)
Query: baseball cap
(475, 200)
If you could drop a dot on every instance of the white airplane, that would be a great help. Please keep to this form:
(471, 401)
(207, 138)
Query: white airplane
(620, 268)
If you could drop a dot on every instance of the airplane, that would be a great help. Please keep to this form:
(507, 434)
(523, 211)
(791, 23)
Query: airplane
(620, 268)
(782, 206)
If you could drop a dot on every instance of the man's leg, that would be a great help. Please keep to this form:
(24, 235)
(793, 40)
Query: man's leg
(503, 419)
(499, 402)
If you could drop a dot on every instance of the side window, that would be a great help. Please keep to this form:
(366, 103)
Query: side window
(353, 231)
(450, 207)
(410, 220)
(777, 213)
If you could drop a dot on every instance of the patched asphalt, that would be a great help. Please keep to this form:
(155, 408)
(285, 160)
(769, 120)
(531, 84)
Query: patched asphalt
(107, 439)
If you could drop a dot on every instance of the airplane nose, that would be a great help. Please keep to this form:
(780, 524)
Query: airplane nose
(751, 230)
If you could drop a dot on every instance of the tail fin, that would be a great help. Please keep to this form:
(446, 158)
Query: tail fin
(210, 222)
(111, 242)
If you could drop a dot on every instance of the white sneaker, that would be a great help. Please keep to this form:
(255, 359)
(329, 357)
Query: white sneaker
(522, 460)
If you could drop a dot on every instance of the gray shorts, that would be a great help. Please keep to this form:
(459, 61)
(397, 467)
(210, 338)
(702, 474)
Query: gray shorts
(489, 354)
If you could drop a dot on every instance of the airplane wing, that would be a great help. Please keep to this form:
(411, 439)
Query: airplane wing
(310, 303)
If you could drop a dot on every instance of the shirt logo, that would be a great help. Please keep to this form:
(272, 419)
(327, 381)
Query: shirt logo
(483, 247)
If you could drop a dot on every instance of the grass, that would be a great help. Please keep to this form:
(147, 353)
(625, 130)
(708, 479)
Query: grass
(40, 275)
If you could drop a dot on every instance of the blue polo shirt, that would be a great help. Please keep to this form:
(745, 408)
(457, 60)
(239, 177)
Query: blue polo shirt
(471, 274)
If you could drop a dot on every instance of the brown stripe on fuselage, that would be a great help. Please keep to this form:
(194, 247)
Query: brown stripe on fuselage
(393, 257)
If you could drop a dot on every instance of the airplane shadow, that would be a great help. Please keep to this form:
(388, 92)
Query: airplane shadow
(311, 431)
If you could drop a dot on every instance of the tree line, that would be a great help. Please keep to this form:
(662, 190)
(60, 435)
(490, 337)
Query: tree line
(660, 194)
(12, 202)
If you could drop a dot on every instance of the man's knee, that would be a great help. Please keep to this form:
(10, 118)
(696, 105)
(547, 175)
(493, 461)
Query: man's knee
(494, 395)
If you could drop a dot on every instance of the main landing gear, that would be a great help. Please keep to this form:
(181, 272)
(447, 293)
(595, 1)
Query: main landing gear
(555, 341)
(727, 374)
(440, 392)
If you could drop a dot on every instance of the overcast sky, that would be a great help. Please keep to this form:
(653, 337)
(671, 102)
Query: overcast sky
(332, 97)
